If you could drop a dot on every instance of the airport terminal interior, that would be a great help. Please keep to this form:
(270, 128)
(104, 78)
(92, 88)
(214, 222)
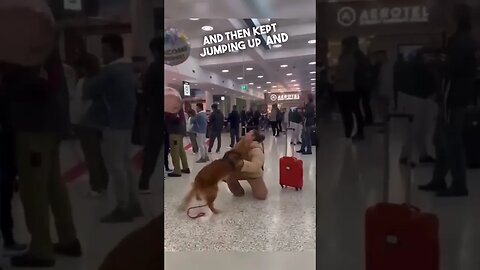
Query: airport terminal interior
(340, 152)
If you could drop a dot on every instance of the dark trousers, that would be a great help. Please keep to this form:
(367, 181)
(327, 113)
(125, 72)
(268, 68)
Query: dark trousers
(349, 105)
(90, 141)
(450, 151)
(151, 151)
(274, 126)
(279, 126)
(42, 192)
(8, 175)
(365, 99)
(307, 139)
(234, 135)
(214, 134)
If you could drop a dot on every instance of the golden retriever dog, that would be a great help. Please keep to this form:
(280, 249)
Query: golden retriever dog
(206, 182)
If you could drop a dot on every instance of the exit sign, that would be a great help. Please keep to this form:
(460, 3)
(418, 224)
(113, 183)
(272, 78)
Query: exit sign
(243, 87)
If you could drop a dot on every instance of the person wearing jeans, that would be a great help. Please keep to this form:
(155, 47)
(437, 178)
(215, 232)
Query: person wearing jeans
(308, 127)
(113, 97)
(458, 88)
(199, 126)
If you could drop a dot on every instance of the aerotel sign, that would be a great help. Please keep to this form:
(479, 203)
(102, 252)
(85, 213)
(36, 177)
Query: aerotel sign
(348, 16)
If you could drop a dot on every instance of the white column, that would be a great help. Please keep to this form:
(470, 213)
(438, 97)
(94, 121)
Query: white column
(208, 100)
(249, 103)
(142, 27)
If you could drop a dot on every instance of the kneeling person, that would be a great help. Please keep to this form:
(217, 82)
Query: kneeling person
(252, 169)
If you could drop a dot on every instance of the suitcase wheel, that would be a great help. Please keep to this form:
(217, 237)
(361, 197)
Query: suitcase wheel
(296, 189)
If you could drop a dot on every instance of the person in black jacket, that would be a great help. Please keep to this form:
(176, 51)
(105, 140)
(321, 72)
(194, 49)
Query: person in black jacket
(216, 122)
(459, 83)
(234, 120)
(153, 86)
(8, 174)
(309, 125)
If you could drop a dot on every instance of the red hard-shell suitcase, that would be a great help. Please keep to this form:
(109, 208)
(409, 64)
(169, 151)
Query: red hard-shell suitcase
(400, 237)
(291, 170)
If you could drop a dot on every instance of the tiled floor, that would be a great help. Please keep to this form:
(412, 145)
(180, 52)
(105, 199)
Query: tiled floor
(349, 179)
(283, 222)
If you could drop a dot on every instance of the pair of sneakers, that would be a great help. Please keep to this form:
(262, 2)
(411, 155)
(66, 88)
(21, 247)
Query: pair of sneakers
(173, 174)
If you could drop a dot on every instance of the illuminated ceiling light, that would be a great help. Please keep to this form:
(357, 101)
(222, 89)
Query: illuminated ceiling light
(313, 72)
(277, 45)
(312, 63)
(312, 41)
(207, 28)
(225, 71)
(239, 78)
(274, 86)
(258, 87)
(264, 90)
(296, 84)
(194, 19)
(312, 83)
(283, 66)
(312, 79)
(293, 80)
(269, 82)
(251, 83)
(289, 74)
(260, 76)
(249, 69)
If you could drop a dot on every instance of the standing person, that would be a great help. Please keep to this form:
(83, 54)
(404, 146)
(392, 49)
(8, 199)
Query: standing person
(199, 126)
(285, 119)
(255, 121)
(309, 125)
(243, 116)
(38, 107)
(191, 134)
(273, 120)
(155, 129)
(345, 86)
(279, 121)
(113, 92)
(216, 122)
(364, 83)
(177, 129)
(89, 134)
(416, 99)
(296, 122)
(8, 175)
(459, 83)
(234, 120)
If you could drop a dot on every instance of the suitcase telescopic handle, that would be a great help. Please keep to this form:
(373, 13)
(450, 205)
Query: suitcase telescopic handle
(386, 186)
(286, 141)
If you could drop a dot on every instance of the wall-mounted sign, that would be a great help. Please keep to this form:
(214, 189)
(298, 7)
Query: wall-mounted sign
(284, 97)
(186, 89)
(75, 5)
(348, 16)
(243, 87)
